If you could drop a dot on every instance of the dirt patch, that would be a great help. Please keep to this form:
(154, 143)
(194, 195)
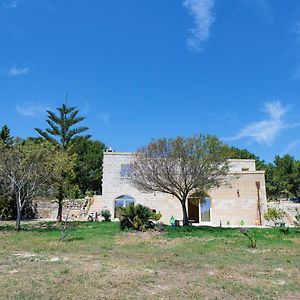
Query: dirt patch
(25, 255)
(137, 236)
(5, 232)
(155, 238)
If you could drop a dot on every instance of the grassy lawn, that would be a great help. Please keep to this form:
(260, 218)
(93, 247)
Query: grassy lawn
(98, 261)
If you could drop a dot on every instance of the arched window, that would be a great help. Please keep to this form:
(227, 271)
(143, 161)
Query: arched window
(122, 201)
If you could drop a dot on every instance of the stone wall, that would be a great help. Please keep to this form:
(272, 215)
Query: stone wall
(47, 209)
(235, 201)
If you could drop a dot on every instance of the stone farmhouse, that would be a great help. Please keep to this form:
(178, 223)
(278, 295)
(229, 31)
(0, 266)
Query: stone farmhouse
(241, 202)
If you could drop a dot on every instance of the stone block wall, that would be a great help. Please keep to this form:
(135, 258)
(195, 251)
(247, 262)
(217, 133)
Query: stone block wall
(235, 201)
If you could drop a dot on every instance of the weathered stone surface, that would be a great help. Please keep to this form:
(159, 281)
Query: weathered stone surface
(234, 202)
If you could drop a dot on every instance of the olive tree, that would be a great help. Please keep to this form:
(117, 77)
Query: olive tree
(180, 166)
(26, 169)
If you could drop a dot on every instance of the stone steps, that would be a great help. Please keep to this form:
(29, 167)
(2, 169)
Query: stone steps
(96, 205)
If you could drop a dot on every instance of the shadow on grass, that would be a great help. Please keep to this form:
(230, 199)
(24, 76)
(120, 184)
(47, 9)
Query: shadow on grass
(74, 227)
(73, 238)
(200, 231)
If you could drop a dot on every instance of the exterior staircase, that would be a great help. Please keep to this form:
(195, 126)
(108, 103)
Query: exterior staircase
(289, 209)
(95, 206)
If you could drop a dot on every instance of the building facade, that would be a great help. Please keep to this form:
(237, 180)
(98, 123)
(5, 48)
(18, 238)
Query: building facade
(241, 201)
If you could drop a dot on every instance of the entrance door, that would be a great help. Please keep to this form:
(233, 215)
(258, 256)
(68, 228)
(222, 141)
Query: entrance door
(193, 211)
(205, 211)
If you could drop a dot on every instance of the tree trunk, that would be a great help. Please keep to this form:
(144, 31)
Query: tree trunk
(18, 220)
(60, 200)
(185, 218)
(60, 210)
(19, 211)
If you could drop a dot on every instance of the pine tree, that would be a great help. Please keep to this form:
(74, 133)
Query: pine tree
(62, 133)
(5, 135)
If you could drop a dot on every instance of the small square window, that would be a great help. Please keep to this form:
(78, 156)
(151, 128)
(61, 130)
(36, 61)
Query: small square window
(126, 170)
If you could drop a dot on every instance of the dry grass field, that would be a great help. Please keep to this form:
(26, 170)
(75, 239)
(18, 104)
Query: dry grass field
(98, 261)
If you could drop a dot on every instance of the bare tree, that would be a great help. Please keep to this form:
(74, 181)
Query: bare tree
(25, 169)
(181, 166)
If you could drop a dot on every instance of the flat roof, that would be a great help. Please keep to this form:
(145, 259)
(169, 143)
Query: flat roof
(132, 153)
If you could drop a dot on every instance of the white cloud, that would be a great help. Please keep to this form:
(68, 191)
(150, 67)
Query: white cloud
(31, 109)
(14, 71)
(104, 117)
(202, 12)
(265, 131)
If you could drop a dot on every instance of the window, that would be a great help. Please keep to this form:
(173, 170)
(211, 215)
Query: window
(126, 170)
(205, 206)
(122, 201)
(245, 169)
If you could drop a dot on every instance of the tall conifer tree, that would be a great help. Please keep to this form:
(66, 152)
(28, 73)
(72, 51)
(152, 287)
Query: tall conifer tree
(61, 132)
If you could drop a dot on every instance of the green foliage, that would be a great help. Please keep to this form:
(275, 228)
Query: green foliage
(251, 237)
(284, 229)
(283, 177)
(237, 153)
(63, 134)
(105, 213)
(88, 164)
(61, 131)
(136, 217)
(26, 169)
(181, 165)
(5, 137)
(156, 216)
(274, 214)
(8, 209)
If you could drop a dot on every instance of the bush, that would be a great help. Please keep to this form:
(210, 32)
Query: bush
(137, 217)
(251, 237)
(156, 216)
(284, 229)
(8, 209)
(105, 213)
(274, 214)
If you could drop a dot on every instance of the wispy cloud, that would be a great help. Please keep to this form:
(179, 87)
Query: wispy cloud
(202, 12)
(15, 71)
(10, 4)
(265, 131)
(104, 117)
(32, 109)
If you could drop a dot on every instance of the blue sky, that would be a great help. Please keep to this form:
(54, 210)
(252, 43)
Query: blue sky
(143, 69)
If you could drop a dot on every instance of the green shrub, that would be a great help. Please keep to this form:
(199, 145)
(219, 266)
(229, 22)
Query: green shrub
(251, 237)
(156, 216)
(8, 209)
(136, 217)
(274, 214)
(105, 213)
(284, 229)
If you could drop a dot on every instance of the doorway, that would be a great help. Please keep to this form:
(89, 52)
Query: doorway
(193, 210)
